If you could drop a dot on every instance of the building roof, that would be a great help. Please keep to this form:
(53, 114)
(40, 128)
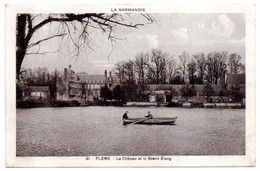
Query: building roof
(38, 88)
(236, 79)
(93, 78)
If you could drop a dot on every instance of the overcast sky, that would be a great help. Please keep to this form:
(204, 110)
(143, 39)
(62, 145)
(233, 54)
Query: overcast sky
(172, 33)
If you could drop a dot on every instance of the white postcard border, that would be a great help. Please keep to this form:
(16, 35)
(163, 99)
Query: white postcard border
(243, 160)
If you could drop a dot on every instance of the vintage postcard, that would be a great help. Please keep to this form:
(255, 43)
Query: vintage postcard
(130, 85)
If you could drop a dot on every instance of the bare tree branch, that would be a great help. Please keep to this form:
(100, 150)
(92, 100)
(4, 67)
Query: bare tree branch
(42, 40)
(41, 53)
(78, 24)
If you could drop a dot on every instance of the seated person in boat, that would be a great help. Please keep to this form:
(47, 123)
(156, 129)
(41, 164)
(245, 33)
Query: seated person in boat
(125, 115)
(150, 116)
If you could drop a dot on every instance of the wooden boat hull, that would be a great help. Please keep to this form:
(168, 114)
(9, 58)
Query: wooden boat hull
(157, 121)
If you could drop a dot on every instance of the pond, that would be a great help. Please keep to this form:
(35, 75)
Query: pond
(99, 131)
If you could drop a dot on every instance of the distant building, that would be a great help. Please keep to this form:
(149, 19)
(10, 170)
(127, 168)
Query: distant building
(37, 93)
(81, 86)
(69, 86)
(236, 79)
(92, 85)
(172, 92)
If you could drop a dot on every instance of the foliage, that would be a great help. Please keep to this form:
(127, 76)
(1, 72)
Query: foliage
(216, 67)
(208, 91)
(106, 93)
(234, 64)
(201, 66)
(236, 93)
(183, 64)
(191, 71)
(177, 80)
(224, 91)
(174, 92)
(159, 98)
(130, 91)
(158, 65)
(188, 91)
(118, 93)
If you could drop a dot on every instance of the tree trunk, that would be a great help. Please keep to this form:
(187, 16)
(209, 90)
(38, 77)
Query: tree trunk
(21, 42)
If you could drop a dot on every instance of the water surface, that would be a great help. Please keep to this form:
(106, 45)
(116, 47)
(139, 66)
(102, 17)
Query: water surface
(98, 131)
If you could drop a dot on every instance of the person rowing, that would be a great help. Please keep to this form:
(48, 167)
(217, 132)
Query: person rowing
(125, 115)
(149, 116)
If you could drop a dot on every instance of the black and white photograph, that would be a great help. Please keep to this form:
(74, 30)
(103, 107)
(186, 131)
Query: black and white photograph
(131, 85)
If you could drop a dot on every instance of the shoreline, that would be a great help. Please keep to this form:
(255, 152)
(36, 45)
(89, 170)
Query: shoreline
(34, 104)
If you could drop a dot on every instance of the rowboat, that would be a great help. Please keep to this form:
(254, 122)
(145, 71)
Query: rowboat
(159, 121)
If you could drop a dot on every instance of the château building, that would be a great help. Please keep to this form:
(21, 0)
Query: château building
(81, 86)
(93, 84)
(69, 86)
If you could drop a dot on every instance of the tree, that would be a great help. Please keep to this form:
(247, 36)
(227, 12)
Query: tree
(141, 69)
(119, 72)
(129, 75)
(236, 93)
(216, 67)
(191, 71)
(157, 66)
(183, 65)
(201, 66)
(188, 91)
(105, 93)
(177, 80)
(140, 65)
(130, 91)
(208, 91)
(234, 63)
(118, 93)
(75, 26)
(224, 91)
(172, 70)
(53, 86)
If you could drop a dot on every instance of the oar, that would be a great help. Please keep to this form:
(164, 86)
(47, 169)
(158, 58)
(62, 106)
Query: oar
(139, 121)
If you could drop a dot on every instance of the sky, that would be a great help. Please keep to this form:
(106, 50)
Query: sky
(173, 33)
